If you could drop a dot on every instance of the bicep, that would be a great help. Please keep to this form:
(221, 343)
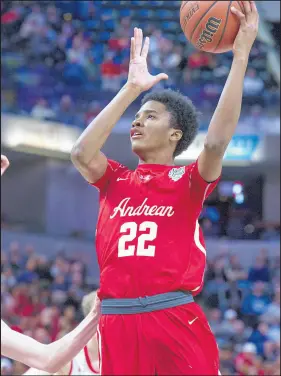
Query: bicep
(22, 348)
(92, 171)
(210, 164)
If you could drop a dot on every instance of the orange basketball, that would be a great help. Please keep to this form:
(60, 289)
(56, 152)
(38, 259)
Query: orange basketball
(210, 25)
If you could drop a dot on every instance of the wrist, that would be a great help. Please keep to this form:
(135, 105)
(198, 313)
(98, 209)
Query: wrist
(241, 60)
(242, 57)
(133, 89)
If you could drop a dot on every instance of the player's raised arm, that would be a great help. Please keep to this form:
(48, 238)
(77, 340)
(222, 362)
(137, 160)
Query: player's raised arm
(86, 153)
(226, 116)
(50, 357)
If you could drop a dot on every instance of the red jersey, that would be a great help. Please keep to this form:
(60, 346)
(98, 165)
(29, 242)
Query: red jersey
(148, 238)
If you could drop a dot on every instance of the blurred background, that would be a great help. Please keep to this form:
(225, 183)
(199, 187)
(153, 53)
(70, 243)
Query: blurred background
(62, 62)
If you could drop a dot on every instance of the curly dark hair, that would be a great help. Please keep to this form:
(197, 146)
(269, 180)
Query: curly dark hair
(184, 115)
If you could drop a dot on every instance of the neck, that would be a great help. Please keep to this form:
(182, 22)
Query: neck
(161, 157)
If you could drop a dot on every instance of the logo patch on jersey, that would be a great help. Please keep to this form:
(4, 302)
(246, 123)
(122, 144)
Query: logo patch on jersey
(177, 173)
(145, 178)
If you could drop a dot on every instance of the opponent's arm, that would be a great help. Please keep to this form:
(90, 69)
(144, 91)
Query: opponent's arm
(50, 357)
(86, 154)
(4, 164)
(65, 370)
(226, 116)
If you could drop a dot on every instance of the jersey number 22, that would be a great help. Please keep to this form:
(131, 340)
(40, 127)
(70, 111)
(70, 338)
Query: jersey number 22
(132, 230)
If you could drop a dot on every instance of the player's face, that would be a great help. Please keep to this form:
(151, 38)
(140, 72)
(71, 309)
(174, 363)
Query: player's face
(151, 131)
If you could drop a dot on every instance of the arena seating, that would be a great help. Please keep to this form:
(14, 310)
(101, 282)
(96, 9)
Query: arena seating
(81, 49)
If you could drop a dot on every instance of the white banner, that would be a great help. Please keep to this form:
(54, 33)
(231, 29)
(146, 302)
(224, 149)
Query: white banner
(19, 131)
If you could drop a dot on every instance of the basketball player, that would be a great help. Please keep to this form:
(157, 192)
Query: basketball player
(150, 248)
(52, 357)
(87, 361)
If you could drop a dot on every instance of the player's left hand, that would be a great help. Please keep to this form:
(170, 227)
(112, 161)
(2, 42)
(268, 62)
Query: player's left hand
(249, 24)
(4, 164)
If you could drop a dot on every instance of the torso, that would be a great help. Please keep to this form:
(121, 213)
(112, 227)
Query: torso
(148, 239)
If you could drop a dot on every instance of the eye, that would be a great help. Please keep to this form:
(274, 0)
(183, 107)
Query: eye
(151, 116)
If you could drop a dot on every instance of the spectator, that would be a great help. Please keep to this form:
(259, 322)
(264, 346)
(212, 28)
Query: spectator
(93, 110)
(42, 44)
(29, 275)
(259, 337)
(253, 87)
(214, 319)
(226, 359)
(7, 278)
(60, 283)
(32, 23)
(241, 333)
(76, 54)
(111, 74)
(272, 311)
(42, 111)
(53, 17)
(66, 33)
(260, 271)
(255, 304)
(227, 328)
(66, 112)
(118, 42)
(247, 362)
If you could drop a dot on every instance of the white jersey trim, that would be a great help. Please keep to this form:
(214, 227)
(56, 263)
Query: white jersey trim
(100, 350)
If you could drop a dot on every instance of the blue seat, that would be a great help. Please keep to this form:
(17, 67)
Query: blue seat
(125, 12)
(143, 13)
(109, 24)
(170, 26)
(104, 36)
(164, 13)
(92, 24)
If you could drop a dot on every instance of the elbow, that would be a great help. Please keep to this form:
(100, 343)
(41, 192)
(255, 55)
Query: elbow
(50, 366)
(76, 155)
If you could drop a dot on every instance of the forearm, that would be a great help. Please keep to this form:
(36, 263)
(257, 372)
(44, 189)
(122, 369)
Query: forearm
(95, 135)
(65, 349)
(65, 370)
(227, 113)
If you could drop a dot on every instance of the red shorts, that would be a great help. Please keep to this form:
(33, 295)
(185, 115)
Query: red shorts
(173, 341)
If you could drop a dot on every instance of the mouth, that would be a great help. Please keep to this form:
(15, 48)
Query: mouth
(135, 134)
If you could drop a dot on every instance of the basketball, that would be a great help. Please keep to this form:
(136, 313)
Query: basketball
(210, 25)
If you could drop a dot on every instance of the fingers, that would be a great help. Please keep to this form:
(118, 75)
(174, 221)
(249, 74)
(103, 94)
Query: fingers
(247, 8)
(239, 15)
(255, 12)
(136, 44)
(160, 77)
(132, 50)
(145, 49)
(138, 40)
(253, 6)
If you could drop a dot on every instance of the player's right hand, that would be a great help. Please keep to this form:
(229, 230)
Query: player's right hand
(4, 164)
(139, 77)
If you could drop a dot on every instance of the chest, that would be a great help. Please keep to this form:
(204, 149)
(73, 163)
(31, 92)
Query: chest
(145, 194)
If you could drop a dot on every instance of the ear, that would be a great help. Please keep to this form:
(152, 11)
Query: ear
(176, 135)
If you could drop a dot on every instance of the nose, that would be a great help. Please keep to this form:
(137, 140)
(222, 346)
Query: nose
(137, 123)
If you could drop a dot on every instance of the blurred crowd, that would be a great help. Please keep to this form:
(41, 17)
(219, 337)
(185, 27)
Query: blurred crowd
(50, 50)
(243, 308)
(41, 298)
